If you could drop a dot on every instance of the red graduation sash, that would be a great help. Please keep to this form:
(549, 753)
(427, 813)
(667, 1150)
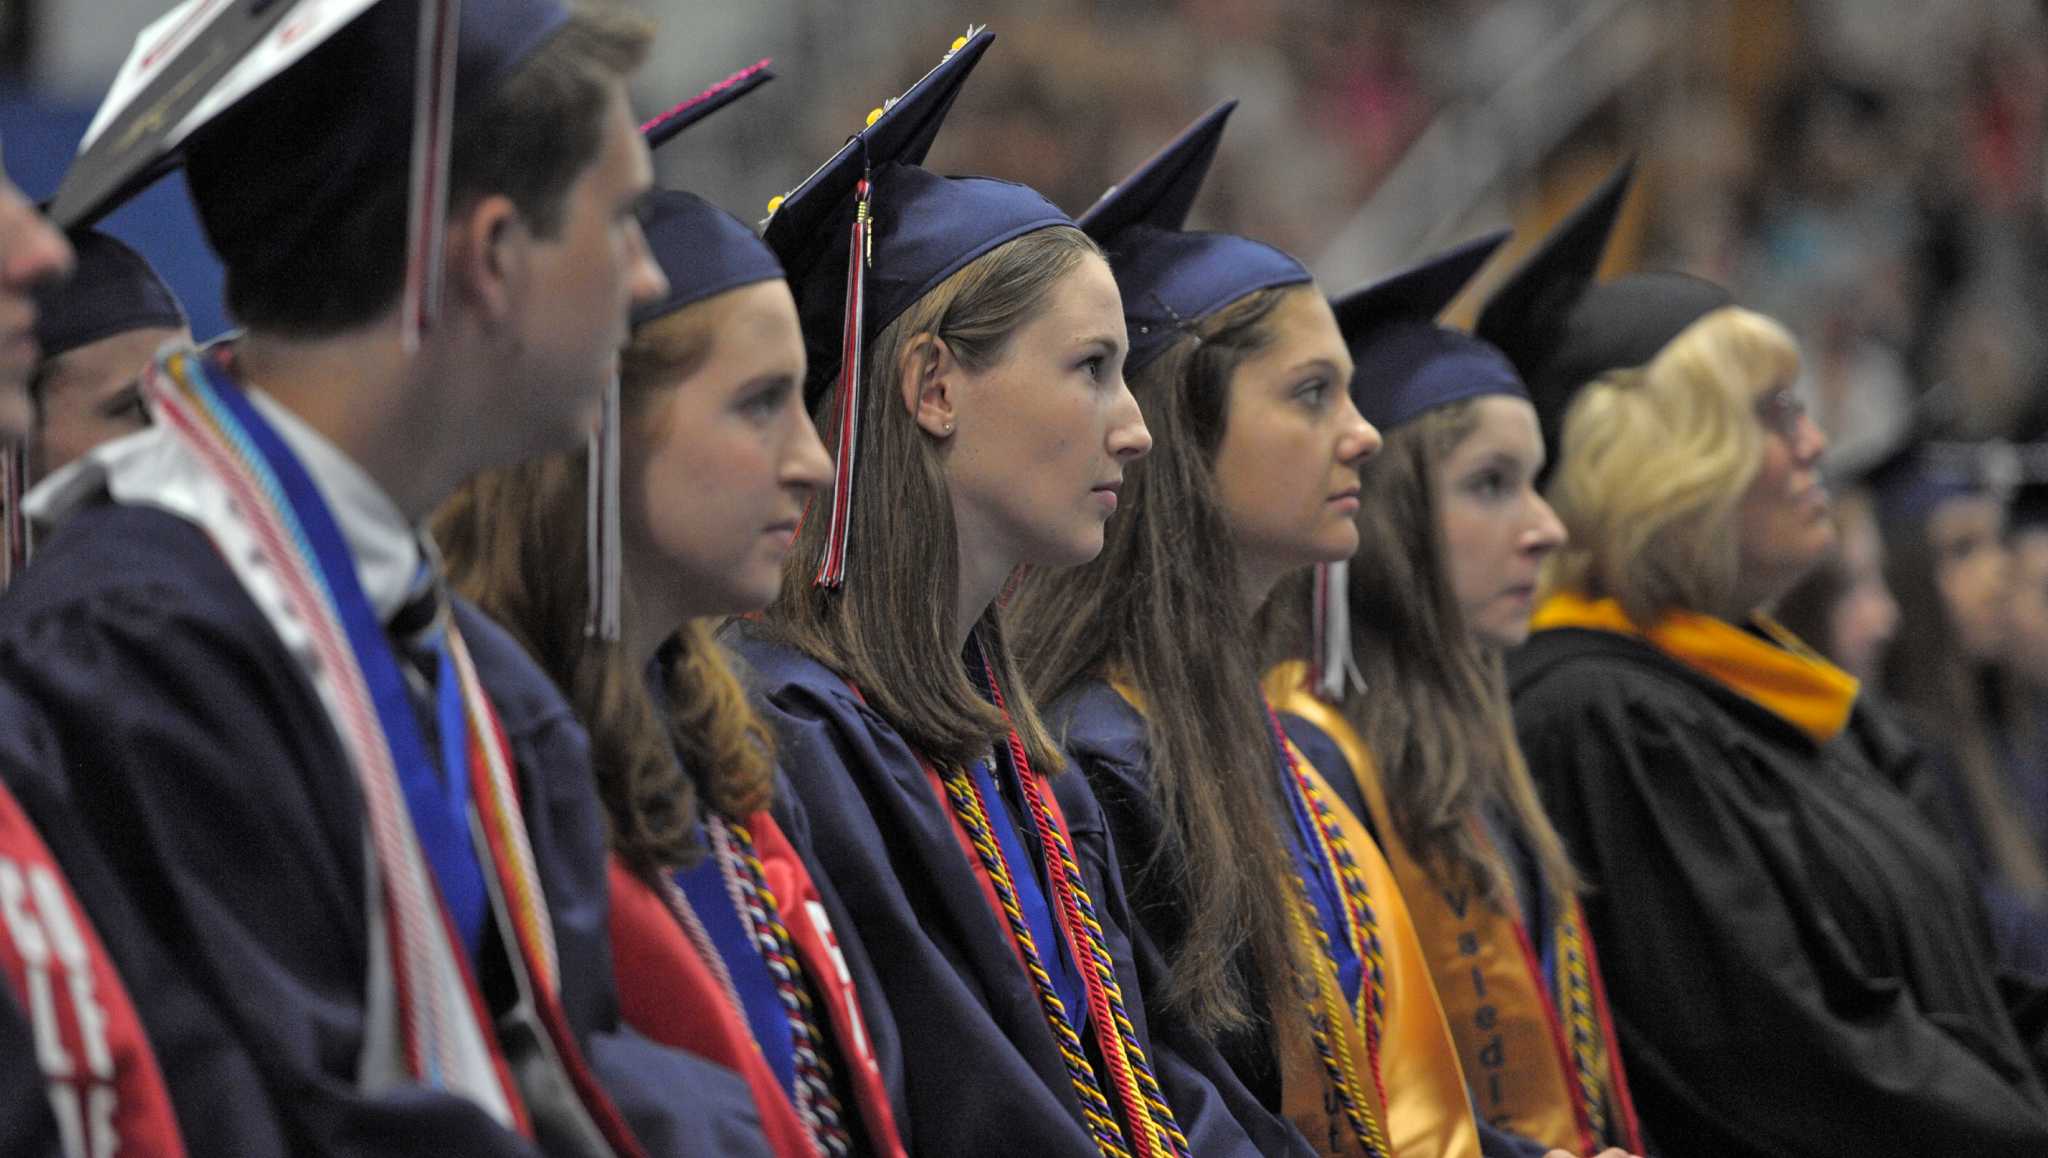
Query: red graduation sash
(817, 947)
(104, 1085)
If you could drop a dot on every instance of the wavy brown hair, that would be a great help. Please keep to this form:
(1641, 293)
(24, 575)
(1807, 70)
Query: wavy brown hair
(1434, 709)
(890, 628)
(503, 538)
(1161, 607)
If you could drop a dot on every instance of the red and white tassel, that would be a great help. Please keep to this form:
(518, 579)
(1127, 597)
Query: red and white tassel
(433, 115)
(1332, 666)
(832, 569)
(605, 558)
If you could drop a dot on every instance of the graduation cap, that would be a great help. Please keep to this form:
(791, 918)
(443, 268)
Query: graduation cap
(1562, 330)
(1407, 364)
(286, 111)
(1919, 474)
(112, 290)
(871, 232)
(702, 250)
(1172, 278)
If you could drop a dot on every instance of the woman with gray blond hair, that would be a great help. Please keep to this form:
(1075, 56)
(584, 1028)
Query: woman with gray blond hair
(1793, 953)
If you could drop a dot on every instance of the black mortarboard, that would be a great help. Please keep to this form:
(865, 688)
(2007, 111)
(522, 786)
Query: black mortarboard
(702, 250)
(112, 290)
(914, 229)
(1562, 330)
(1171, 278)
(923, 227)
(1407, 364)
(284, 111)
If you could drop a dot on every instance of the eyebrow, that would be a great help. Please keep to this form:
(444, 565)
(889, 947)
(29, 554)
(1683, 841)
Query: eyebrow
(1314, 364)
(1109, 340)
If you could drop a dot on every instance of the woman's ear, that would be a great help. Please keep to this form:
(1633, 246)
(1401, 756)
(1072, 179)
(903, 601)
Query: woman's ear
(488, 256)
(930, 377)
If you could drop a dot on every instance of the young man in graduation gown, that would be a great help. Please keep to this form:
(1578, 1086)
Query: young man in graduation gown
(76, 1075)
(358, 812)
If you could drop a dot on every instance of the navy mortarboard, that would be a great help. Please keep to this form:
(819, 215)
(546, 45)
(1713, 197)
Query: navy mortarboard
(911, 229)
(703, 250)
(1407, 364)
(1561, 329)
(1918, 475)
(1171, 278)
(112, 291)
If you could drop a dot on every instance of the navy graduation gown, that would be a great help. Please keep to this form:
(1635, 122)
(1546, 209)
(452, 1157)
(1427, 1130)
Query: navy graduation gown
(982, 1073)
(1793, 954)
(205, 775)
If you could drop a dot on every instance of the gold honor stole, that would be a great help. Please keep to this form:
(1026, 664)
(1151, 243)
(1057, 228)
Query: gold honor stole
(1426, 1112)
(1524, 1078)
(1782, 675)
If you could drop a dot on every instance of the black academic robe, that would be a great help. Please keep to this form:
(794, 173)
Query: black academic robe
(203, 773)
(982, 1073)
(1106, 737)
(1795, 961)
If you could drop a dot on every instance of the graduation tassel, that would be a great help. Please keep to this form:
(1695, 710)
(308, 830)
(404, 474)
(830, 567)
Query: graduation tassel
(1332, 664)
(606, 567)
(432, 120)
(832, 570)
(15, 543)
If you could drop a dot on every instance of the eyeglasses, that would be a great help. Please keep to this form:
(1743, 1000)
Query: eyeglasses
(1780, 411)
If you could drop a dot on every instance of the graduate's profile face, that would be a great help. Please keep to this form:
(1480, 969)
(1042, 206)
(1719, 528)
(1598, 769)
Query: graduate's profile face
(1783, 524)
(32, 252)
(1035, 446)
(1973, 571)
(1866, 615)
(93, 394)
(1495, 529)
(1287, 466)
(577, 289)
(718, 463)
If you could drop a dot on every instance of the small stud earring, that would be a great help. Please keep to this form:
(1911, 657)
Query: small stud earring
(948, 429)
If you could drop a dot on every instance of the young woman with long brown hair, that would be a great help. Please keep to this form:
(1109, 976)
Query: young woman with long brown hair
(1397, 687)
(722, 938)
(968, 365)
(1277, 926)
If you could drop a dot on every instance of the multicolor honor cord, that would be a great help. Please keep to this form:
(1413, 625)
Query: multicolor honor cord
(1150, 1119)
(817, 1100)
(1331, 850)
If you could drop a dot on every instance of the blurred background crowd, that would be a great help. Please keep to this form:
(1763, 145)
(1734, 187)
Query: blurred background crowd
(1870, 172)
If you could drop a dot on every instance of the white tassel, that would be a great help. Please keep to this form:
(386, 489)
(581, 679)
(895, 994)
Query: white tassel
(1336, 665)
(605, 562)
